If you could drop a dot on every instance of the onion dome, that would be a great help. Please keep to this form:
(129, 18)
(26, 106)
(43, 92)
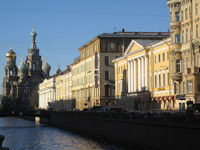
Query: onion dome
(46, 67)
(22, 67)
(11, 53)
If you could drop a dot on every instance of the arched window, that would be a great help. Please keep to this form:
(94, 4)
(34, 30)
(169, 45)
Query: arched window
(187, 35)
(197, 8)
(182, 36)
(33, 67)
(186, 14)
(11, 72)
(197, 31)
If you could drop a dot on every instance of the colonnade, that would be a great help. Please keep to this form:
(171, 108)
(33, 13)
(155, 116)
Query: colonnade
(138, 74)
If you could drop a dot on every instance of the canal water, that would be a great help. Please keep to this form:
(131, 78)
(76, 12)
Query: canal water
(22, 134)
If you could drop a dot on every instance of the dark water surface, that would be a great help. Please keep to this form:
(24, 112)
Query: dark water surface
(22, 134)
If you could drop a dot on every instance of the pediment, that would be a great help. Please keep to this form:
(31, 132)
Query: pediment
(133, 46)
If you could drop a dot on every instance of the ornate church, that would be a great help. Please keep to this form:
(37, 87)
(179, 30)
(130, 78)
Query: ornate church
(21, 83)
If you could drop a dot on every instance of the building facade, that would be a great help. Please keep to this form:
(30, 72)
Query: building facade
(143, 76)
(160, 81)
(55, 92)
(184, 50)
(93, 73)
(47, 92)
(63, 84)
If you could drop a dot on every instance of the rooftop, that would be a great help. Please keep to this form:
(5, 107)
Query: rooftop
(136, 34)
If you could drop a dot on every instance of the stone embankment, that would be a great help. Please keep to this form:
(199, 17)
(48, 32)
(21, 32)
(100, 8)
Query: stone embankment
(131, 129)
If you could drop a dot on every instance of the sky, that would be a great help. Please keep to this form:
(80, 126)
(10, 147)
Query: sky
(62, 26)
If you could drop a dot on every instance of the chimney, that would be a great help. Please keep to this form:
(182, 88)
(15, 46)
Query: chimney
(123, 30)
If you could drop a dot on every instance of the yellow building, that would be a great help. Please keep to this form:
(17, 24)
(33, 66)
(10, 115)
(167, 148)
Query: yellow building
(56, 88)
(63, 83)
(93, 74)
(160, 82)
(147, 65)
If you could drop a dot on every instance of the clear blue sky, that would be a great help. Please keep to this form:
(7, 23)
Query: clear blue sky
(63, 26)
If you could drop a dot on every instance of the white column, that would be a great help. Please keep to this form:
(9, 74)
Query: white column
(142, 72)
(146, 72)
(139, 74)
(129, 77)
(134, 76)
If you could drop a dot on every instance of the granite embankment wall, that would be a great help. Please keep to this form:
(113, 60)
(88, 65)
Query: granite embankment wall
(146, 133)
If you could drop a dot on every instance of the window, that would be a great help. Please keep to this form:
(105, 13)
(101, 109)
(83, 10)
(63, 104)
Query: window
(106, 75)
(189, 86)
(178, 38)
(163, 56)
(186, 14)
(96, 60)
(174, 87)
(182, 15)
(197, 8)
(155, 59)
(106, 60)
(187, 35)
(106, 46)
(155, 81)
(197, 31)
(163, 79)
(107, 89)
(178, 66)
(183, 87)
(183, 65)
(117, 47)
(159, 58)
(177, 16)
(182, 36)
(159, 80)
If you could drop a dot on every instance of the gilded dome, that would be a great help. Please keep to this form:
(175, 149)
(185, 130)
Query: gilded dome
(11, 53)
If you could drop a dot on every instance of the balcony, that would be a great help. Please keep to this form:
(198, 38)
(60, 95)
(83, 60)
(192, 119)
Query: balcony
(177, 76)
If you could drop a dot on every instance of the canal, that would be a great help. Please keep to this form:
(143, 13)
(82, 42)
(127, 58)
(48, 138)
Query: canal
(22, 134)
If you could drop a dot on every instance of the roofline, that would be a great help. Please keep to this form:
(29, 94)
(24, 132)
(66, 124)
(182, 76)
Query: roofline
(144, 48)
(88, 43)
(117, 59)
(160, 43)
(101, 36)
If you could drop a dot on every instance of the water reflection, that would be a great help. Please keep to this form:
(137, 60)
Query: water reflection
(26, 135)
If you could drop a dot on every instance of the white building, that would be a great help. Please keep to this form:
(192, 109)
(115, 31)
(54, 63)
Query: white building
(47, 92)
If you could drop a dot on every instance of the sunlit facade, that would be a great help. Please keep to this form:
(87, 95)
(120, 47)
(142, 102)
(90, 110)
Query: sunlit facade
(184, 53)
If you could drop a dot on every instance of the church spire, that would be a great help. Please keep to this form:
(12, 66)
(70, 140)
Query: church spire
(33, 35)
